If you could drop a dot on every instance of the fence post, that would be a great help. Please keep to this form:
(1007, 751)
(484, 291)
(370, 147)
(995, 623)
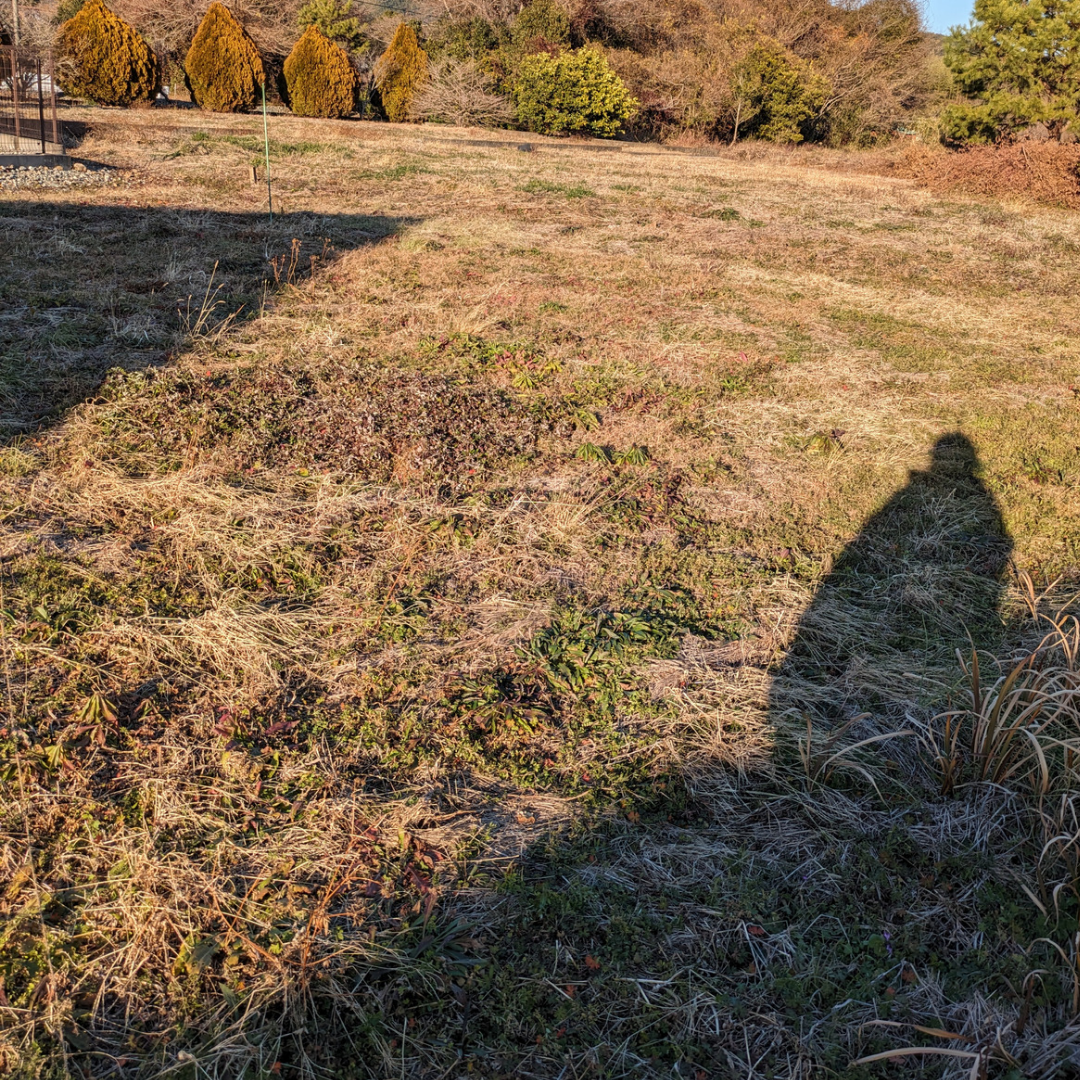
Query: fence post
(41, 106)
(15, 95)
(52, 94)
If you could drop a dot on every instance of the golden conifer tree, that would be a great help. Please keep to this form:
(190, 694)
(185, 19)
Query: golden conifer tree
(400, 72)
(319, 78)
(103, 58)
(224, 70)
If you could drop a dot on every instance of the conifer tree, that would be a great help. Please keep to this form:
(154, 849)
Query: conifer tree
(319, 78)
(400, 72)
(223, 69)
(1020, 62)
(103, 58)
(336, 20)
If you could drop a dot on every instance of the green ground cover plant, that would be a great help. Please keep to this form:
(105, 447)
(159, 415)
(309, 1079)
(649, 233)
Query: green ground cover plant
(438, 636)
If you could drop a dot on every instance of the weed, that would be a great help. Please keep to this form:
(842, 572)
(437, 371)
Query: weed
(547, 187)
(1023, 727)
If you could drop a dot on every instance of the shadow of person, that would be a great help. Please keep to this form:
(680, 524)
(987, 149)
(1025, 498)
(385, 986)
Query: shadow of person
(925, 573)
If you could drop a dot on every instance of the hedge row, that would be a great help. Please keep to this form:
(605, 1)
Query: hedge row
(103, 58)
(554, 89)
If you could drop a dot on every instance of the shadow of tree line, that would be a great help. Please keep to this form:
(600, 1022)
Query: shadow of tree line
(87, 287)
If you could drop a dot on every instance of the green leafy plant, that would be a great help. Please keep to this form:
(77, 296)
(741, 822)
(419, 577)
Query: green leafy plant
(776, 93)
(636, 455)
(541, 25)
(223, 68)
(1016, 63)
(588, 451)
(400, 73)
(333, 19)
(104, 59)
(319, 78)
(572, 93)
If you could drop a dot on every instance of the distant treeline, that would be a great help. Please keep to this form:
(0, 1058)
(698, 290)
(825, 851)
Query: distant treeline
(833, 71)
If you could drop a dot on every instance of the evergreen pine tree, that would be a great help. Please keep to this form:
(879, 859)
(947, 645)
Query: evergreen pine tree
(1020, 61)
(336, 20)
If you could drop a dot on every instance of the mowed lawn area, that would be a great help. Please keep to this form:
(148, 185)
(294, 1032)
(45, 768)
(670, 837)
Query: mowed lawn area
(491, 620)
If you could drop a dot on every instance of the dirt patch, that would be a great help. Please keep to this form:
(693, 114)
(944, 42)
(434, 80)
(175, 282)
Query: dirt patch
(1046, 172)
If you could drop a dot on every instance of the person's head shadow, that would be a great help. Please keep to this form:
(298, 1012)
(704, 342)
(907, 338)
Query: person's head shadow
(90, 286)
(924, 574)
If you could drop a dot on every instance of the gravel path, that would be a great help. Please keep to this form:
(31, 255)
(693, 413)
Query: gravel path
(46, 177)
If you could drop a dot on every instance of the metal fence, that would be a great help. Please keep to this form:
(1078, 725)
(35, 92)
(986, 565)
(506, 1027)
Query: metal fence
(28, 119)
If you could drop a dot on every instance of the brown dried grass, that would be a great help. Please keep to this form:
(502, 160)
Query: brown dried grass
(889, 304)
(1045, 172)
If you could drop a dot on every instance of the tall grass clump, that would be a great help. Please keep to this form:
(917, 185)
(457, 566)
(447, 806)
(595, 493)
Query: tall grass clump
(1021, 725)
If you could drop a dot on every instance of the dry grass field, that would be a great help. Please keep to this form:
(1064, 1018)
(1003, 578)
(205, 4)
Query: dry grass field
(501, 617)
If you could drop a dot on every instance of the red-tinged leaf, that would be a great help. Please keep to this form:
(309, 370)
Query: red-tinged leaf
(757, 931)
(372, 888)
(282, 727)
(421, 882)
(591, 962)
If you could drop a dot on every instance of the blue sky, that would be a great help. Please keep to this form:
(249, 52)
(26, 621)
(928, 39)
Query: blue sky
(943, 14)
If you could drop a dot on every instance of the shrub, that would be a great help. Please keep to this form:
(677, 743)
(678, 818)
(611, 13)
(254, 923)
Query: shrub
(66, 9)
(776, 94)
(335, 19)
(104, 59)
(572, 92)
(223, 69)
(1019, 61)
(400, 73)
(459, 93)
(463, 39)
(540, 25)
(319, 79)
